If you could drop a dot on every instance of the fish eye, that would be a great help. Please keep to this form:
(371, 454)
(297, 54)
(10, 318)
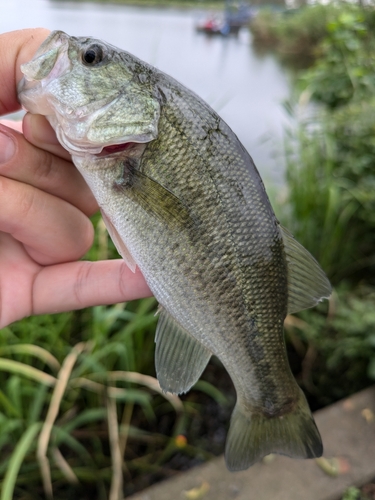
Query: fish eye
(92, 55)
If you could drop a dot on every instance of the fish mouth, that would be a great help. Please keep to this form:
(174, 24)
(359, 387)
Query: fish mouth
(83, 146)
(116, 148)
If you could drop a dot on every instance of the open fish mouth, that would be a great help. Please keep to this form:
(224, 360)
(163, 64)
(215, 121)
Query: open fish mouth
(115, 148)
(98, 150)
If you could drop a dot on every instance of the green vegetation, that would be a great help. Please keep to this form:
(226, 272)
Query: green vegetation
(365, 493)
(344, 71)
(330, 205)
(352, 493)
(293, 34)
(296, 35)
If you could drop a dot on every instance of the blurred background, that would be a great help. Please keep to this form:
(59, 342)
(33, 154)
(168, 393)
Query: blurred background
(245, 89)
(81, 414)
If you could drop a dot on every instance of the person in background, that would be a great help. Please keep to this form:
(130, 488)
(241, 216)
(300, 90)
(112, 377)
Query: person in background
(45, 207)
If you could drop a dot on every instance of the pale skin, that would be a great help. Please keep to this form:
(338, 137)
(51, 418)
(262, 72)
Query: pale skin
(45, 207)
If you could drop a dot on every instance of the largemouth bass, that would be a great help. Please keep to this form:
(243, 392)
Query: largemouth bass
(183, 201)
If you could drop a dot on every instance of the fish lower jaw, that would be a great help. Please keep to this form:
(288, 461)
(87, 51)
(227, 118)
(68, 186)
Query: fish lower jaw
(80, 150)
(84, 148)
(76, 147)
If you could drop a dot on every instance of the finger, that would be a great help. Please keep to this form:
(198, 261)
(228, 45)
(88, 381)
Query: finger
(51, 229)
(39, 132)
(17, 272)
(62, 287)
(21, 161)
(15, 125)
(75, 285)
(16, 47)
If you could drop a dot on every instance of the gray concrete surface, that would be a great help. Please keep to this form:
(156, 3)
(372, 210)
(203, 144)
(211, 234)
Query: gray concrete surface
(348, 432)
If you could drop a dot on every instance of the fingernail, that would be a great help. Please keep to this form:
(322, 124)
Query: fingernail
(7, 147)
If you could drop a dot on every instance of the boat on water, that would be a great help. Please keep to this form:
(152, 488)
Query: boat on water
(234, 18)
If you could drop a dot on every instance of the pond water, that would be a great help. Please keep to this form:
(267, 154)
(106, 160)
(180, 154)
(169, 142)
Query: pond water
(247, 90)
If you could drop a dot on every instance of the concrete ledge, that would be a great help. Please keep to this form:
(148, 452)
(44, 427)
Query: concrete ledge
(348, 432)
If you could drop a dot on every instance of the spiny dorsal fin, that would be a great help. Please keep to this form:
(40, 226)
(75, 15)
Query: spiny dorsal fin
(179, 358)
(307, 282)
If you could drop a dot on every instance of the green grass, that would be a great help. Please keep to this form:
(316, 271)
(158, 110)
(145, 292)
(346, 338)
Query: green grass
(68, 395)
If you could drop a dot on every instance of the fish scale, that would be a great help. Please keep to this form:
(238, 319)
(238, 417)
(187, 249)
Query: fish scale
(183, 201)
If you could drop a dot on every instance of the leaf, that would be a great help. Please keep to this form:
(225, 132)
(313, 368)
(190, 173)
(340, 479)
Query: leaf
(197, 493)
(8, 405)
(211, 391)
(86, 417)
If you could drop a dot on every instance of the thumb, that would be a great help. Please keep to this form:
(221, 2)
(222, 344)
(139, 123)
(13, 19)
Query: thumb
(16, 47)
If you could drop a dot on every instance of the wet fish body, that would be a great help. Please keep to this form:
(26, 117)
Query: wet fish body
(182, 200)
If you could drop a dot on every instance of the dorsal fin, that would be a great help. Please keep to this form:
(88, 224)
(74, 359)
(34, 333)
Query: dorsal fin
(307, 282)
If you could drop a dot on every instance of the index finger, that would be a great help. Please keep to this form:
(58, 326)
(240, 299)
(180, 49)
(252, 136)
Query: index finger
(16, 48)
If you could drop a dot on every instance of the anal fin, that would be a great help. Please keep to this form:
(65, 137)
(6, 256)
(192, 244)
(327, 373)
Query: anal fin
(179, 358)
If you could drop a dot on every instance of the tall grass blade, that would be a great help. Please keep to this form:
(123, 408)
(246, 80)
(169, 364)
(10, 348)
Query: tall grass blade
(32, 350)
(8, 406)
(18, 368)
(150, 382)
(16, 460)
(53, 410)
(63, 438)
(63, 465)
(37, 403)
(211, 391)
(85, 417)
(113, 431)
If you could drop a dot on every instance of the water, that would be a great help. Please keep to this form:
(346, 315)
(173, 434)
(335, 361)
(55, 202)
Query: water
(246, 90)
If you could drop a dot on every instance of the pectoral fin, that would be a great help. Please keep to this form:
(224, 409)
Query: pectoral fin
(307, 282)
(179, 358)
(155, 198)
(119, 244)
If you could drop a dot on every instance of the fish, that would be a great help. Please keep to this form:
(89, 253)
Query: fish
(183, 201)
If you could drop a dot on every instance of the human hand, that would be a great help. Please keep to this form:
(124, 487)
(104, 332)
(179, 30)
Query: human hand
(44, 213)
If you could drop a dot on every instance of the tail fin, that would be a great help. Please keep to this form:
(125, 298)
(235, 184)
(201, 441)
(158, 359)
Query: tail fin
(252, 436)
